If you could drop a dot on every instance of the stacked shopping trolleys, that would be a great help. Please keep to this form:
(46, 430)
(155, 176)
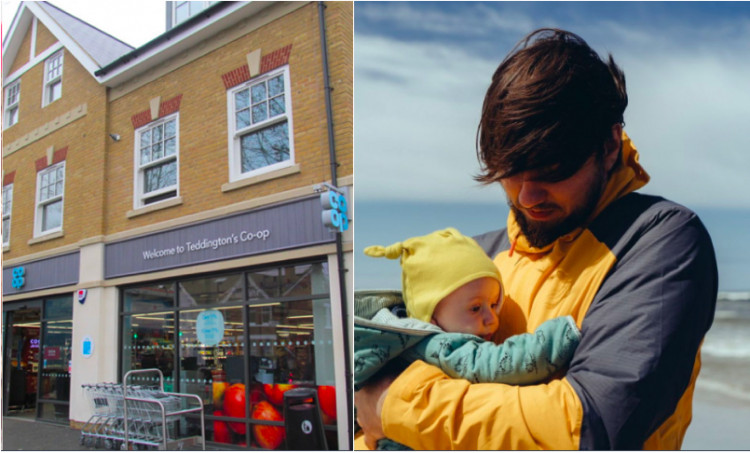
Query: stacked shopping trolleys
(134, 416)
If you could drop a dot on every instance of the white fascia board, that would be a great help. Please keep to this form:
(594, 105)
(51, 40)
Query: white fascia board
(78, 52)
(12, 43)
(182, 42)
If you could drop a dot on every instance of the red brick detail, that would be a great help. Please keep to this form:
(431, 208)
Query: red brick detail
(41, 164)
(141, 119)
(275, 59)
(268, 62)
(170, 106)
(59, 155)
(8, 178)
(236, 77)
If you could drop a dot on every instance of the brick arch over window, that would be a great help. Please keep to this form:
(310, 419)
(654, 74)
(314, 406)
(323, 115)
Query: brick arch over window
(167, 107)
(268, 62)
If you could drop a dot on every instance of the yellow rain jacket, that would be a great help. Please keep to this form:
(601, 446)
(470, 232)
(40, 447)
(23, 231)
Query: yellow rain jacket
(641, 282)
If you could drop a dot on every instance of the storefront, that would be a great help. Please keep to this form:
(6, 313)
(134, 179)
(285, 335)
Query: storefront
(236, 309)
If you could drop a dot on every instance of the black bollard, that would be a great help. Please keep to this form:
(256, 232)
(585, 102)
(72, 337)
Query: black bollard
(302, 420)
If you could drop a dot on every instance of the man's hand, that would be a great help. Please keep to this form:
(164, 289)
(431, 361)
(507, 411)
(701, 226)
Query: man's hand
(369, 401)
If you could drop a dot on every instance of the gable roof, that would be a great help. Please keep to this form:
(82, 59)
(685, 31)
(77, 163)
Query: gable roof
(92, 47)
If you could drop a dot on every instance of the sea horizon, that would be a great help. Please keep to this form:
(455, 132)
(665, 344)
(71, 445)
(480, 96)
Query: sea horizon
(378, 222)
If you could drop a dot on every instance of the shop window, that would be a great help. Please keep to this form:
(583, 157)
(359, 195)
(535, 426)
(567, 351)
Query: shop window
(222, 290)
(156, 161)
(12, 98)
(260, 125)
(56, 359)
(239, 342)
(49, 201)
(7, 209)
(53, 71)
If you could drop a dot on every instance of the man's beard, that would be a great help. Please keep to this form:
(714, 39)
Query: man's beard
(541, 233)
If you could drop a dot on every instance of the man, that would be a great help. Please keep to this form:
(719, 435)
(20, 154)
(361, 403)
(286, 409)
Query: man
(637, 273)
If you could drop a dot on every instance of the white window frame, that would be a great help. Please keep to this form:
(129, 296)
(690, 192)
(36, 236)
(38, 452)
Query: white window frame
(140, 199)
(235, 134)
(12, 101)
(52, 79)
(191, 10)
(7, 211)
(41, 202)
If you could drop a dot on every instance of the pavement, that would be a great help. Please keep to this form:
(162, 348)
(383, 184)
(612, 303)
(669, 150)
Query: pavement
(25, 433)
(20, 433)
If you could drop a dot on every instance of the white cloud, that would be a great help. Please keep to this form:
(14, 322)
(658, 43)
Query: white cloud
(417, 106)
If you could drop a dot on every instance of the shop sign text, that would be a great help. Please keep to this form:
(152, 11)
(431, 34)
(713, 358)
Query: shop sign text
(213, 244)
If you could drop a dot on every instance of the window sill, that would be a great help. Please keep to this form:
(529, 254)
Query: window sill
(6, 248)
(46, 237)
(172, 202)
(286, 171)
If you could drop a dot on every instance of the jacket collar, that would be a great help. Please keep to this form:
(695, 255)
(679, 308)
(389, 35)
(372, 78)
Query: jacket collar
(628, 177)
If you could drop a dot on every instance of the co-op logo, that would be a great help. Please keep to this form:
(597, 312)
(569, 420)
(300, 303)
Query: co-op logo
(334, 209)
(19, 278)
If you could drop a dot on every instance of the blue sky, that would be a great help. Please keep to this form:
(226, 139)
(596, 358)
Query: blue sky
(421, 70)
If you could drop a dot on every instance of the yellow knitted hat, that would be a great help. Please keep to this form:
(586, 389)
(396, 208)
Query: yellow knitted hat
(435, 265)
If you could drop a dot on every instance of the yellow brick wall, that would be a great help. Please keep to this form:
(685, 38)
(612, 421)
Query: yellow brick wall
(44, 38)
(84, 169)
(203, 148)
(340, 26)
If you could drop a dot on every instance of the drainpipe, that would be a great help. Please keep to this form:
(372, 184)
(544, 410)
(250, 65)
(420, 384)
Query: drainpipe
(339, 247)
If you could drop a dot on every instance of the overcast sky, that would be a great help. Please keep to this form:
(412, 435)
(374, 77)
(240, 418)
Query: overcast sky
(134, 22)
(421, 71)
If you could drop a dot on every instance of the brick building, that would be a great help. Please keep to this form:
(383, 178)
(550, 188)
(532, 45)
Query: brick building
(148, 192)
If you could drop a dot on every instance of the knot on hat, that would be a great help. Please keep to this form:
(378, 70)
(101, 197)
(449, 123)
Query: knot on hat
(392, 252)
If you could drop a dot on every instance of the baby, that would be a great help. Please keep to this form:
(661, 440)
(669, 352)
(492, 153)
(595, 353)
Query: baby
(452, 294)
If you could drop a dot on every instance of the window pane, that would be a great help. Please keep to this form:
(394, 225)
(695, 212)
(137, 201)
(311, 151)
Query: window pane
(157, 133)
(259, 113)
(222, 290)
(304, 280)
(55, 91)
(157, 152)
(182, 12)
(148, 342)
(146, 138)
(276, 86)
(170, 146)
(265, 147)
(212, 355)
(149, 298)
(161, 176)
(276, 105)
(258, 93)
(263, 284)
(52, 215)
(12, 116)
(145, 155)
(243, 119)
(56, 355)
(241, 100)
(6, 230)
(170, 129)
(58, 308)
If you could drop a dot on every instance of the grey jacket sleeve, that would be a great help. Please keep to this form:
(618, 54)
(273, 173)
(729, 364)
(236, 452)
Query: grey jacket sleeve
(522, 359)
(643, 329)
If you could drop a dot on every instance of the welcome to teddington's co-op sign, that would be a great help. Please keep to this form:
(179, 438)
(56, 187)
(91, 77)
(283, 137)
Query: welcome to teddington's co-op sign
(213, 244)
(281, 227)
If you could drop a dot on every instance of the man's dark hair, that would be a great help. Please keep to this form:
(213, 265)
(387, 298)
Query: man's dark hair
(551, 105)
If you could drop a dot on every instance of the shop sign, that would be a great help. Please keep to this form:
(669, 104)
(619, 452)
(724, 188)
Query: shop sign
(205, 243)
(52, 353)
(280, 227)
(210, 327)
(18, 277)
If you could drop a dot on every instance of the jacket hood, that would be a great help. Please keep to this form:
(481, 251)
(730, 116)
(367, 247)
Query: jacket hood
(628, 177)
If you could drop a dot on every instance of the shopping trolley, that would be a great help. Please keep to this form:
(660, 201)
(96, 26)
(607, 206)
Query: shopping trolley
(140, 416)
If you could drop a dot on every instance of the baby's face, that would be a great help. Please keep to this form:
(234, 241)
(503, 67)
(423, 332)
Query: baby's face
(472, 308)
